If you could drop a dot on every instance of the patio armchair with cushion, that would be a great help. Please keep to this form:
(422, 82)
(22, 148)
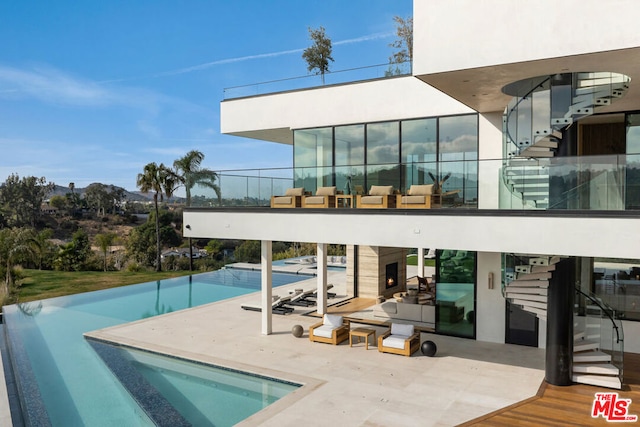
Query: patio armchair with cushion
(399, 339)
(332, 330)
(419, 197)
(292, 199)
(380, 197)
(325, 198)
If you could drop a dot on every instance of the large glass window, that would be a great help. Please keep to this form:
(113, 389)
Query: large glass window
(458, 156)
(632, 196)
(313, 158)
(419, 147)
(383, 154)
(349, 148)
(417, 151)
(455, 292)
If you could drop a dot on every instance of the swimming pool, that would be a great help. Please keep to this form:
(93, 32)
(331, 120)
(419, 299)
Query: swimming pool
(63, 380)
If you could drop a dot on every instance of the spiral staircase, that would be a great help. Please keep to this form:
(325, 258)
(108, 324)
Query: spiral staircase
(598, 336)
(534, 122)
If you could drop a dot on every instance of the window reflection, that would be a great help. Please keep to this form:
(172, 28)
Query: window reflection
(419, 151)
(397, 153)
(455, 292)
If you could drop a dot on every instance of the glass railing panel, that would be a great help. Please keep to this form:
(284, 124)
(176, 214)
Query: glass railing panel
(587, 183)
(632, 182)
(562, 183)
(316, 80)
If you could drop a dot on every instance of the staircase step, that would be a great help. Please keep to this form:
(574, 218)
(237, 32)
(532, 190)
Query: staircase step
(529, 283)
(546, 143)
(596, 368)
(535, 276)
(548, 260)
(523, 268)
(526, 290)
(543, 268)
(532, 152)
(598, 380)
(528, 297)
(591, 356)
(584, 345)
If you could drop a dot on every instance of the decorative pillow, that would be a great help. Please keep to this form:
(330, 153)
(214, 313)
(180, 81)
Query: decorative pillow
(326, 191)
(421, 190)
(400, 329)
(295, 192)
(333, 320)
(381, 190)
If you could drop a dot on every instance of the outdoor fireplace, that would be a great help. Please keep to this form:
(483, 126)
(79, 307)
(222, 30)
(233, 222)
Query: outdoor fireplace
(391, 275)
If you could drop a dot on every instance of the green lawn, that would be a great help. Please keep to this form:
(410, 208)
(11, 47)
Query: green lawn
(412, 259)
(41, 284)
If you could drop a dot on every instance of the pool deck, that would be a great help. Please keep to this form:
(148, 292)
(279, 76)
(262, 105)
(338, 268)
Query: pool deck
(348, 386)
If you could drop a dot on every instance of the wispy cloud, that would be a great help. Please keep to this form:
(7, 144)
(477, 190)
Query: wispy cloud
(51, 85)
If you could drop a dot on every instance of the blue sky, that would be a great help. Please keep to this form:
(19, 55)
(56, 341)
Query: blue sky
(92, 91)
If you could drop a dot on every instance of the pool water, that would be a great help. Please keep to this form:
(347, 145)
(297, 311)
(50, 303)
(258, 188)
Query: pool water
(63, 379)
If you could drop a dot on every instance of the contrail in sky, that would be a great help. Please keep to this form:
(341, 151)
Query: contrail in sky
(250, 57)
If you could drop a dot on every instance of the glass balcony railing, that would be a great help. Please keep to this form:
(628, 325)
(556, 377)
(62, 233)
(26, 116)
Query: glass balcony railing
(316, 80)
(562, 183)
(573, 183)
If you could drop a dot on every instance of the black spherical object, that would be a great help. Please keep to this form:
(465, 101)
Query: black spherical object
(297, 331)
(429, 348)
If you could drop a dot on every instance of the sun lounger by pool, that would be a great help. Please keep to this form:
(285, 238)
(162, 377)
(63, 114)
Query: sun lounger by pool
(303, 299)
(278, 306)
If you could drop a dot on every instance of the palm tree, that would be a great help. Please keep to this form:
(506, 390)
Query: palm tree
(191, 174)
(161, 181)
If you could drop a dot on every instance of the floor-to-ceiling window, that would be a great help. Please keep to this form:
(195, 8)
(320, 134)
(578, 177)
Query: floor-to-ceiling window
(313, 158)
(419, 147)
(349, 159)
(396, 153)
(383, 154)
(458, 159)
(455, 292)
(632, 180)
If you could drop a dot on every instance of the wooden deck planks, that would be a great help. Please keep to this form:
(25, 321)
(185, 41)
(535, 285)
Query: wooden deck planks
(565, 406)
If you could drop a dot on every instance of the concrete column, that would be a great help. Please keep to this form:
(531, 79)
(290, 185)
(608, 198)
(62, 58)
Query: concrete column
(321, 255)
(559, 352)
(420, 262)
(266, 299)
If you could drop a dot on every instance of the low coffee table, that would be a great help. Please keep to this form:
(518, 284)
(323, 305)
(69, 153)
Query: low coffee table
(362, 333)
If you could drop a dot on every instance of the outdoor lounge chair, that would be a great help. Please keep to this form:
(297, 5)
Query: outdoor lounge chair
(325, 198)
(332, 330)
(278, 306)
(399, 339)
(418, 197)
(292, 199)
(302, 299)
(380, 197)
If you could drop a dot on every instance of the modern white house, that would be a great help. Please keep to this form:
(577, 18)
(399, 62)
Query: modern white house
(526, 118)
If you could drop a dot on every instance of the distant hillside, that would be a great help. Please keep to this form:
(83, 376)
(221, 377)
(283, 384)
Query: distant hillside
(130, 196)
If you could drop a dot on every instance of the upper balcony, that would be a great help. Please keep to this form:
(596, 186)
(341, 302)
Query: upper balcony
(583, 183)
